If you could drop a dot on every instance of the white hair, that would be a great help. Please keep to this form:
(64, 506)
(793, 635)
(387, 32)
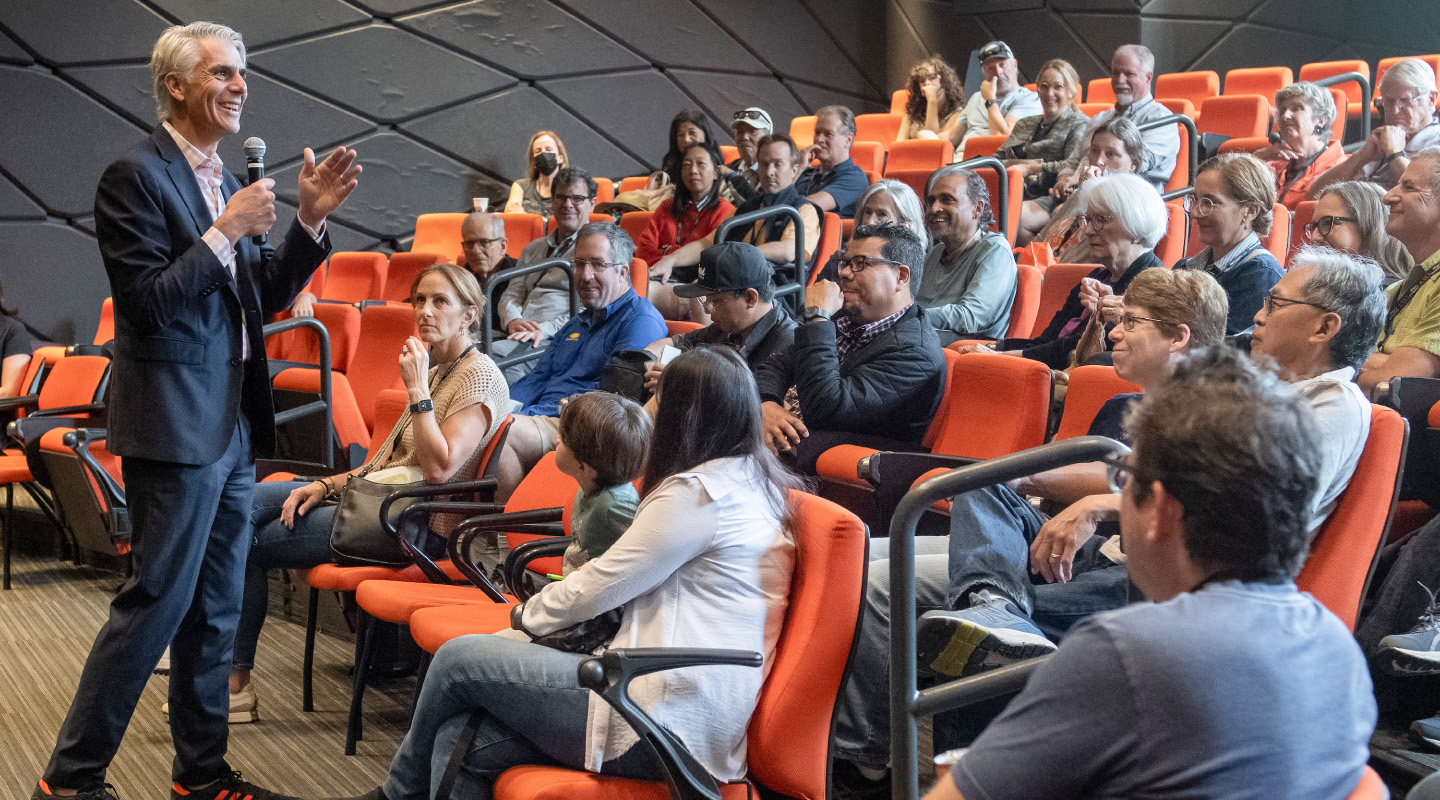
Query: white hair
(1139, 51)
(906, 203)
(1132, 201)
(1410, 73)
(1321, 104)
(177, 52)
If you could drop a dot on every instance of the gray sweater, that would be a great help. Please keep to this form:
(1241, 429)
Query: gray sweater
(973, 293)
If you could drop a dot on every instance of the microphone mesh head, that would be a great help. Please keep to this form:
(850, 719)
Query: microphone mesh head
(254, 149)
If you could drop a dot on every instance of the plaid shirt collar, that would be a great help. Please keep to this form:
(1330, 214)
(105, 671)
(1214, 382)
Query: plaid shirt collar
(851, 336)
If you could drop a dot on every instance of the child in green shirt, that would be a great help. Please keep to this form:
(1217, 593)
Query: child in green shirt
(603, 439)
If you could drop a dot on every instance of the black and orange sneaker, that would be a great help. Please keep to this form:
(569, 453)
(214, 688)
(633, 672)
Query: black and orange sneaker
(230, 787)
(104, 792)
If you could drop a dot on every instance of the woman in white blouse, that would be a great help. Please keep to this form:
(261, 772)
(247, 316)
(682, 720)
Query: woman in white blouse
(706, 563)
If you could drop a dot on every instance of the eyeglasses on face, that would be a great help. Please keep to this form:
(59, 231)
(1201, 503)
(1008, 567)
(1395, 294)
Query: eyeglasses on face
(1117, 471)
(571, 199)
(859, 264)
(1322, 225)
(594, 264)
(1274, 301)
(1093, 222)
(481, 242)
(1128, 320)
(1203, 206)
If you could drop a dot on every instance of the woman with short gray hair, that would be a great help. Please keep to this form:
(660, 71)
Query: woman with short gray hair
(1303, 147)
(1407, 100)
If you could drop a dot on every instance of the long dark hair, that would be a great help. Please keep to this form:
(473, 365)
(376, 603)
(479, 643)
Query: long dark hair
(673, 156)
(709, 409)
(949, 83)
(683, 198)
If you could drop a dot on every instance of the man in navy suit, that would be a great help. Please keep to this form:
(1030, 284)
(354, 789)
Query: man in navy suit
(190, 407)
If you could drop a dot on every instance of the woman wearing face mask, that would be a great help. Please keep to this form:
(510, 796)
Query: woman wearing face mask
(1115, 147)
(1350, 217)
(531, 194)
(1039, 144)
(1304, 149)
(936, 101)
(692, 214)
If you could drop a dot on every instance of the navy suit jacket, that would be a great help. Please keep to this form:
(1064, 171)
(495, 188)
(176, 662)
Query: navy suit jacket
(178, 383)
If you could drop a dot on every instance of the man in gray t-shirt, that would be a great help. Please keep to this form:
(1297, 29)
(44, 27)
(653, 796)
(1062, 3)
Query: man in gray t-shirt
(1001, 100)
(1231, 683)
(968, 283)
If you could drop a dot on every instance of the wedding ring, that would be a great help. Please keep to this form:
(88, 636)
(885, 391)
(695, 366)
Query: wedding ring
(1054, 556)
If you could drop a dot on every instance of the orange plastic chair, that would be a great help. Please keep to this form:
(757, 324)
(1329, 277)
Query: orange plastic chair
(977, 146)
(1060, 279)
(1171, 247)
(1180, 175)
(636, 223)
(830, 230)
(788, 739)
(1100, 91)
(342, 321)
(898, 99)
(1324, 69)
(375, 366)
(677, 327)
(439, 234)
(1298, 220)
(640, 277)
(634, 182)
(1090, 387)
(1235, 116)
(401, 274)
(604, 190)
(880, 128)
(1091, 109)
(912, 161)
(729, 152)
(1015, 197)
(1342, 557)
(1264, 81)
(345, 415)
(802, 130)
(1179, 105)
(106, 330)
(520, 230)
(1028, 281)
(354, 277)
(1192, 86)
(868, 156)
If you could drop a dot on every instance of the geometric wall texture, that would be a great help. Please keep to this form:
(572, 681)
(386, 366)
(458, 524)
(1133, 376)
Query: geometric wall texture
(440, 97)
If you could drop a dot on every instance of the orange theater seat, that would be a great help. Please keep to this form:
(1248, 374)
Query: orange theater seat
(375, 365)
(1091, 109)
(640, 277)
(912, 161)
(880, 128)
(439, 234)
(1090, 387)
(898, 99)
(636, 223)
(830, 230)
(868, 156)
(1236, 116)
(1100, 91)
(1192, 86)
(977, 146)
(342, 322)
(1028, 281)
(1171, 247)
(350, 427)
(401, 274)
(604, 190)
(802, 130)
(354, 277)
(729, 152)
(521, 229)
(1060, 280)
(437, 624)
(106, 330)
(1326, 69)
(677, 327)
(1298, 220)
(1277, 241)
(1178, 105)
(634, 182)
(1264, 81)
(1014, 198)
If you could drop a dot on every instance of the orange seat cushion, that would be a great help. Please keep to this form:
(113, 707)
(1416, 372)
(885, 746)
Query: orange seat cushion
(396, 601)
(335, 578)
(556, 783)
(432, 627)
(14, 469)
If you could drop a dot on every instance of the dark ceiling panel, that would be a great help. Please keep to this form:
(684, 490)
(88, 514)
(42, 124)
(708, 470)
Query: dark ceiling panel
(265, 21)
(1178, 43)
(116, 29)
(691, 39)
(641, 126)
(39, 257)
(723, 95)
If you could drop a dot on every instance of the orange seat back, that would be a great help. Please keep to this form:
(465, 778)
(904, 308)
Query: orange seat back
(977, 146)
(1028, 281)
(898, 99)
(604, 190)
(1171, 247)
(640, 277)
(830, 230)
(401, 273)
(343, 324)
(74, 381)
(520, 230)
(1298, 220)
(676, 327)
(1180, 175)
(1090, 388)
(634, 182)
(389, 405)
(1325, 69)
(350, 427)
(1099, 90)
(1343, 554)
(941, 420)
(1192, 86)
(545, 486)
(926, 154)
(1236, 116)
(1059, 280)
(868, 156)
(106, 330)
(1000, 404)
(636, 223)
(802, 130)
(355, 276)
(1014, 198)
(1091, 109)
(375, 366)
(1264, 81)
(729, 152)
(439, 234)
(880, 128)
(1179, 105)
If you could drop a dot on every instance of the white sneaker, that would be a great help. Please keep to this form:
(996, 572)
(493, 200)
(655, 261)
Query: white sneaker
(244, 706)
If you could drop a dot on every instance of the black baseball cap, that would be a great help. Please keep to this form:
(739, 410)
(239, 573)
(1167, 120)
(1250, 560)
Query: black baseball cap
(728, 267)
(996, 49)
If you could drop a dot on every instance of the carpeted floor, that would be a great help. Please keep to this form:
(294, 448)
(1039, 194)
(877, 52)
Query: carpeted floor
(47, 624)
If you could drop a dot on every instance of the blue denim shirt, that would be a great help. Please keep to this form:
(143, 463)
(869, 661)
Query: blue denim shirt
(579, 351)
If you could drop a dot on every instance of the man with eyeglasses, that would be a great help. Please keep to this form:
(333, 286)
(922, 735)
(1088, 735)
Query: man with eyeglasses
(1409, 345)
(1407, 98)
(1230, 682)
(482, 246)
(614, 319)
(535, 306)
(970, 274)
(866, 366)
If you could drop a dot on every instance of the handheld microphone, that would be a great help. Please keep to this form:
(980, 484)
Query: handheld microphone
(255, 166)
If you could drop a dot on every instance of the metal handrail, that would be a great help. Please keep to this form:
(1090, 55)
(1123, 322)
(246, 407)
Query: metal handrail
(802, 265)
(907, 703)
(503, 276)
(1366, 98)
(282, 417)
(1194, 154)
(1002, 181)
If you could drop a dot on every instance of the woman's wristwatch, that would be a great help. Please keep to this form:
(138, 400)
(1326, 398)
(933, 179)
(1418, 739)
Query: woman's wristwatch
(422, 406)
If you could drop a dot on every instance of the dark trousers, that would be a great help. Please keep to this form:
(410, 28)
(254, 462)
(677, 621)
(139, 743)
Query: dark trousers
(190, 538)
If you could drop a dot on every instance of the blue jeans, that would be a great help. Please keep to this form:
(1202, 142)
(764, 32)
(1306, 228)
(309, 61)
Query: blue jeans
(274, 546)
(533, 712)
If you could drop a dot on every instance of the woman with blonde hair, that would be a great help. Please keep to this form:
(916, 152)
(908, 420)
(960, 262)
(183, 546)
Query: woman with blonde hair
(544, 157)
(1038, 145)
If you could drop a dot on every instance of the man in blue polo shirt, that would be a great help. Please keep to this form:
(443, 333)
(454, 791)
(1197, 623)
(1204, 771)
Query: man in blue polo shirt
(837, 183)
(614, 319)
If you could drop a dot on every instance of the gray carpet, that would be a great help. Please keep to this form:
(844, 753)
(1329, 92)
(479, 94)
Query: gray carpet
(47, 624)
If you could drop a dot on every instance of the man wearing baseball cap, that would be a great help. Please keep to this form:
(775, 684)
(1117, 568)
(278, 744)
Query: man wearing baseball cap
(1001, 101)
(750, 126)
(737, 289)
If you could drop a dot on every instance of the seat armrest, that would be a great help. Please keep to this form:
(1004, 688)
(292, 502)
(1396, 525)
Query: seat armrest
(842, 462)
(519, 559)
(519, 521)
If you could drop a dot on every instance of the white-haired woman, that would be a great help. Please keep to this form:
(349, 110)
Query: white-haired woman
(890, 200)
(1304, 148)
(1407, 97)
(1122, 218)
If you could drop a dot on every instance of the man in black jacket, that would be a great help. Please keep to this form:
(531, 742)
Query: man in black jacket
(873, 374)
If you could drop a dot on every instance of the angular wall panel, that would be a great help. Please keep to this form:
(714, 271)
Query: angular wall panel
(12, 53)
(642, 127)
(38, 259)
(723, 95)
(74, 31)
(265, 21)
(789, 39)
(690, 38)
(15, 205)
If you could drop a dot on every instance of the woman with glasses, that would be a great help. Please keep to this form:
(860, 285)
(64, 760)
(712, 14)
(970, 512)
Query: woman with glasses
(1122, 218)
(1350, 217)
(544, 157)
(1115, 148)
(1407, 101)
(692, 214)
(935, 103)
(1303, 147)
(1038, 145)
(1232, 206)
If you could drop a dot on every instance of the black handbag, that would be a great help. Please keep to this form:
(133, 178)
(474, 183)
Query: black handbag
(357, 539)
(583, 637)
